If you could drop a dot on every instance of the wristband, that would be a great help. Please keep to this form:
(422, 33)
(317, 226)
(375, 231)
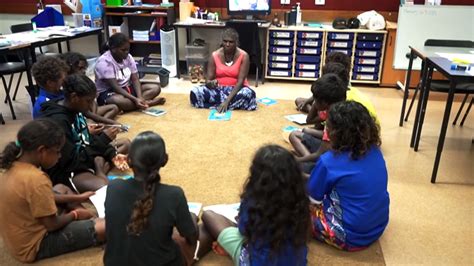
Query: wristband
(75, 215)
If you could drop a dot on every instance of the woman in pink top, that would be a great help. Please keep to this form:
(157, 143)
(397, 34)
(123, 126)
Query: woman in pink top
(226, 87)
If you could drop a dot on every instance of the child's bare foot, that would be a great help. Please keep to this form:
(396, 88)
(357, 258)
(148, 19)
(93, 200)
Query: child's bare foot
(102, 167)
(156, 101)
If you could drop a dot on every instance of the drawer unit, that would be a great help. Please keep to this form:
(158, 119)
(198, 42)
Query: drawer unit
(280, 50)
(368, 56)
(307, 66)
(308, 51)
(309, 43)
(279, 72)
(308, 59)
(280, 58)
(306, 74)
(280, 65)
(298, 52)
(281, 42)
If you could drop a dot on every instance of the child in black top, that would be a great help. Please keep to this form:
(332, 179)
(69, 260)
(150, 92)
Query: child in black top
(85, 157)
(141, 212)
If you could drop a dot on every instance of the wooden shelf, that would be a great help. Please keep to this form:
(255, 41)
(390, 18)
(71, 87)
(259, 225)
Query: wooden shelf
(155, 7)
(121, 14)
(145, 42)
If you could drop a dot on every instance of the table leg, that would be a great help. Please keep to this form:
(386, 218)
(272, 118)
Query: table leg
(407, 87)
(444, 127)
(424, 73)
(425, 98)
(178, 75)
(60, 48)
(68, 46)
(2, 121)
(29, 78)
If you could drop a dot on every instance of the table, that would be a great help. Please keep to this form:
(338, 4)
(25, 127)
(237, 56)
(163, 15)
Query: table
(422, 52)
(26, 42)
(217, 25)
(443, 66)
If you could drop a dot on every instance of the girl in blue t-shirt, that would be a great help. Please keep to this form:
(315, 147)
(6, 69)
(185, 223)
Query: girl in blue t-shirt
(273, 220)
(348, 185)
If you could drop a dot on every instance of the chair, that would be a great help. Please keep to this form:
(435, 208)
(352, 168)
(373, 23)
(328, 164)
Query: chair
(443, 85)
(11, 68)
(249, 42)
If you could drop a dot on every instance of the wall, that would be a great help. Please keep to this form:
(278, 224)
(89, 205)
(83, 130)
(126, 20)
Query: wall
(378, 5)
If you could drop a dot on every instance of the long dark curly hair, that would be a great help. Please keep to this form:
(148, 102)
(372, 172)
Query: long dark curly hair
(276, 201)
(351, 128)
(147, 155)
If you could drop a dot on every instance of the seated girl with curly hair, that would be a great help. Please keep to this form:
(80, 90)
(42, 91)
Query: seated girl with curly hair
(348, 185)
(273, 219)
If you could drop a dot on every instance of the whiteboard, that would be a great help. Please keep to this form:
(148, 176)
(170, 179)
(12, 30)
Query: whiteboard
(417, 23)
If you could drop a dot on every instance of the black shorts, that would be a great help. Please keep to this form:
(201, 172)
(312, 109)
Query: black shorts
(311, 142)
(103, 96)
(74, 236)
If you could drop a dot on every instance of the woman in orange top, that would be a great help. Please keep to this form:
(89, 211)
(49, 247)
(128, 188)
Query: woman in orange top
(226, 85)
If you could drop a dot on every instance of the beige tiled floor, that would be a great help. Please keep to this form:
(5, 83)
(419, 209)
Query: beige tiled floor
(429, 223)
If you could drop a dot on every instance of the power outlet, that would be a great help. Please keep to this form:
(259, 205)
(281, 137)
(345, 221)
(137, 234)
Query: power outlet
(285, 2)
(320, 2)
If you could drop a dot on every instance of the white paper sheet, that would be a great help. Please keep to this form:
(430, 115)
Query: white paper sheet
(98, 199)
(451, 57)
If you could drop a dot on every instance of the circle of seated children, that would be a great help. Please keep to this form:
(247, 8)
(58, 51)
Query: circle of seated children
(273, 219)
(117, 80)
(226, 86)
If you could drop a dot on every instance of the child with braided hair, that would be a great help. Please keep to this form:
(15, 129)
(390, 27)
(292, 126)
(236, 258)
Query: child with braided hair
(141, 213)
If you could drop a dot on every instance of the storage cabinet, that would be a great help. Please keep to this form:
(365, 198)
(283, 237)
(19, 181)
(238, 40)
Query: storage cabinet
(136, 21)
(298, 52)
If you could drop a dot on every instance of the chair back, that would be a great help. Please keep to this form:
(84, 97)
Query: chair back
(21, 27)
(450, 43)
(249, 38)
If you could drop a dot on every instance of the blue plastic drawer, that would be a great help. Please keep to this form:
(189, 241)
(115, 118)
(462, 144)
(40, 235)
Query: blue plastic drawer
(279, 73)
(340, 36)
(366, 69)
(309, 35)
(282, 34)
(308, 51)
(370, 45)
(308, 59)
(281, 42)
(368, 53)
(363, 76)
(370, 37)
(347, 52)
(306, 66)
(280, 50)
(280, 58)
(279, 65)
(309, 43)
(306, 74)
(340, 44)
(366, 61)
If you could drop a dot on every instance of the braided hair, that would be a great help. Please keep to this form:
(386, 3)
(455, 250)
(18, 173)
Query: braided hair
(147, 155)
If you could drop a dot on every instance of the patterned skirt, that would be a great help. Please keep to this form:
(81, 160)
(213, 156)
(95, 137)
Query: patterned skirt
(203, 97)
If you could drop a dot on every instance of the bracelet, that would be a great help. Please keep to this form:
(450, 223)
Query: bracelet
(75, 214)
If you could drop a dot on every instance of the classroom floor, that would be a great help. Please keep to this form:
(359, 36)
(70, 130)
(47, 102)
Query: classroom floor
(429, 223)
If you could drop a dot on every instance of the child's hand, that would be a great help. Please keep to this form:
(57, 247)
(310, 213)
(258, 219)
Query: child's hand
(85, 196)
(141, 104)
(95, 129)
(83, 214)
(120, 162)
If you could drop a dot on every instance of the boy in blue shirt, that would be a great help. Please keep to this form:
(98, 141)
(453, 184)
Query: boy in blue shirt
(49, 73)
(348, 185)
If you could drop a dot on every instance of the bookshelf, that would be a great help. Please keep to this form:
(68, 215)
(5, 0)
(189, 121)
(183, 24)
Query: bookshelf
(139, 18)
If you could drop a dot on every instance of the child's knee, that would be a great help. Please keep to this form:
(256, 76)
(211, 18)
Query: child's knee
(62, 189)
